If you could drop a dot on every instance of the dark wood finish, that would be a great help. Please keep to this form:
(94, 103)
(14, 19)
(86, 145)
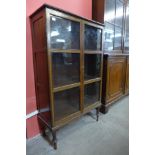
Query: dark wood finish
(115, 79)
(82, 67)
(127, 77)
(63, 11)
(39, 45)
(105, 11)
(98, 10)
(115, 83)
(60, 98)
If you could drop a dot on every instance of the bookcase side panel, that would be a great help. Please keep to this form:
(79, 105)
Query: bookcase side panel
(39, 43)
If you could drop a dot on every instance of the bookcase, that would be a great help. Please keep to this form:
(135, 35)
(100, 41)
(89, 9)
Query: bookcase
(114, 14)
(68, 62)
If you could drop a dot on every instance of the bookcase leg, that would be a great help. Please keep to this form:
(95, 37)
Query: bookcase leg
(44, 132)
(105, 110)
(97, 114)
(46, 125)
(54, 140)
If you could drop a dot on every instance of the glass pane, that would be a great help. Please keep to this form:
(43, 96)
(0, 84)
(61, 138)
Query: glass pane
(108, 36)
(91, 93)
(126, 43)
(109, 11)
(92, 38)
(66, 68)
(92, 66)
(66, 102)
(118, 38)
(65, 34)
(119, 13)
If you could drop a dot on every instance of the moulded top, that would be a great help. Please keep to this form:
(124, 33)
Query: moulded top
(66, 12)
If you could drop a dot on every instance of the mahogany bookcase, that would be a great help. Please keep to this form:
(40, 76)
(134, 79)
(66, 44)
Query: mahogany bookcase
(68, 58)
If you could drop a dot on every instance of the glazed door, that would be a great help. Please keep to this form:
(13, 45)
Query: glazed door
(64, 65)
(75, 66)
(92, 65)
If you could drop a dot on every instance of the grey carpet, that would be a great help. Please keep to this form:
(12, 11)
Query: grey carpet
(85, 136)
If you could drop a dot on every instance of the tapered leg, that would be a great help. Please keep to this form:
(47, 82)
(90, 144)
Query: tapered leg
(54, 140)
(97, 114)
(46, 125)
(44, 132)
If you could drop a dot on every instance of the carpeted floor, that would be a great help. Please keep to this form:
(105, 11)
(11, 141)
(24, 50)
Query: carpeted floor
(85, 136)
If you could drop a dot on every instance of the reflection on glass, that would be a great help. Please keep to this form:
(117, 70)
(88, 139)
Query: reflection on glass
(65, 34)
(92, 38)
(109, 11)
(118, 38)
(108, 36)
(126, 43)
(66, 68)
(91, 93)
(119, 13)
(66, 102)
(92, 66)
